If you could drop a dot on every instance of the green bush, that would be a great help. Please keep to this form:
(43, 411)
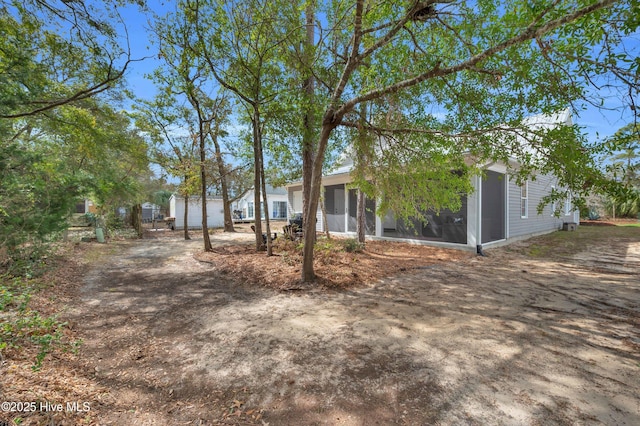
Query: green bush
(114, 221)
(626, 207)
(327, 245)
(28, 260)
(91, 219)
(22, 326)
(351, 245)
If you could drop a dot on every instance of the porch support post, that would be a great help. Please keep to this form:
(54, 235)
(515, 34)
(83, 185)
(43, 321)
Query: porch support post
(379, 229)
(507, 179)
(474, 203)
(346, 209)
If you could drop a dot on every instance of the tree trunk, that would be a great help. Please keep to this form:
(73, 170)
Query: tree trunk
(136, 219)
(266, 203)
(361, 218)
(325, 223)
(203, 187)
(263, 186)
(308, 274)
(257, 138)
(228, 218)
(186, 217)
(308, 86)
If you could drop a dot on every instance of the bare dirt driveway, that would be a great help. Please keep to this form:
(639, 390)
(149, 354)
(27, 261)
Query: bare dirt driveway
(544, 332)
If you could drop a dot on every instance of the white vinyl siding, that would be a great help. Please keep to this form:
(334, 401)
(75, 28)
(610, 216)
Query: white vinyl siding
(534, 223)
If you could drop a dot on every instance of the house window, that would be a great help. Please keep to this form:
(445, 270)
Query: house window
(279, 209)
(251, 211)
(524, 200)
(80, 207)
(567, 205)
(553, 203)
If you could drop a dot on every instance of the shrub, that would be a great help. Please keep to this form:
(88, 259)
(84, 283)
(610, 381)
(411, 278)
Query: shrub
(114, 221)
(351, 245)
(27, 260)
(22, 326)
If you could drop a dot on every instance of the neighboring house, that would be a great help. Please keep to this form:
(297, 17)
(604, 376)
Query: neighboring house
(244, 209)
(78, 217)
(215, 212)
(497, 212)
(150, 212)
(85, 206)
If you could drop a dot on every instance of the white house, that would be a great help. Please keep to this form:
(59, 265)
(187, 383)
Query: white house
(496, 212)
(244, 209)
(215, 212)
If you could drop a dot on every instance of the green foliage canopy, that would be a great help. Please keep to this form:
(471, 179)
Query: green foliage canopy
(60, 137)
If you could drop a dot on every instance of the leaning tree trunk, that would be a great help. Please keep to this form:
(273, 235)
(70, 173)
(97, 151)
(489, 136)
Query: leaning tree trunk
(325, 222)
(136, 219)
(308, 274)
(308, 86)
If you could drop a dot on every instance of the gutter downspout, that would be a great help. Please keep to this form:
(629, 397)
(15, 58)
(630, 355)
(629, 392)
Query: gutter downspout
(479, 219)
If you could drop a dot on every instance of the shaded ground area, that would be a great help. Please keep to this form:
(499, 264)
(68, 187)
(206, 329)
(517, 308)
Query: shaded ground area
(541, 332)
(339, 263)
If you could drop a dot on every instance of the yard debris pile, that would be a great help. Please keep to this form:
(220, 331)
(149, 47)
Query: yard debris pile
(336, 267)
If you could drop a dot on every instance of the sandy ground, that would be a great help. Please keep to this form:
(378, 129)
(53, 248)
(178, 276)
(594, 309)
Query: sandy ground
(507, 339)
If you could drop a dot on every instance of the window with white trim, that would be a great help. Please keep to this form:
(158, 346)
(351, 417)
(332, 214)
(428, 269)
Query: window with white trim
(251, 210)
(553, 202)
(524, 200)
(567, 205)
(279, 210)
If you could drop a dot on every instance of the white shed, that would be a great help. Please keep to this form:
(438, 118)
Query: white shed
(215, 212)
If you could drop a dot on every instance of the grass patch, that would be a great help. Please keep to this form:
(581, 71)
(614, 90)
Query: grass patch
(538, 251)
(567, 244)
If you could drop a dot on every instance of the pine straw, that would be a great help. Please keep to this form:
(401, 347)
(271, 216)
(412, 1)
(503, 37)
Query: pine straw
(63, 379)
(335, 267)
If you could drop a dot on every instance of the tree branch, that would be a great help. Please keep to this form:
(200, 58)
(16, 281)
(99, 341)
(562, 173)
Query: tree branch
(79, 95)
(532, 31)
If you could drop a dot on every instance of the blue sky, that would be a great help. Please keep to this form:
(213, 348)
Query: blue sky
(138, 27)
